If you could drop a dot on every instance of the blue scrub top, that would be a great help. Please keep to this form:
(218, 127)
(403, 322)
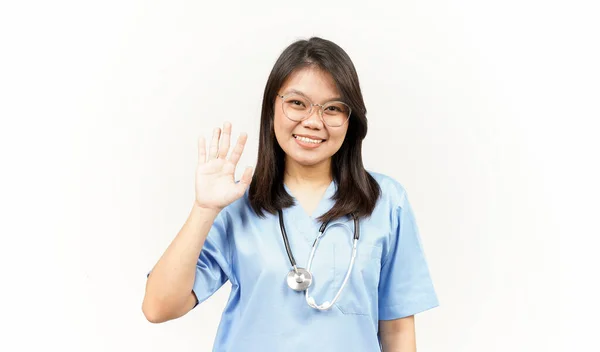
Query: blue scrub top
(390, 278)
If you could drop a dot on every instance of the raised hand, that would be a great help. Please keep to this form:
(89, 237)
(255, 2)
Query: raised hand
(215, 184)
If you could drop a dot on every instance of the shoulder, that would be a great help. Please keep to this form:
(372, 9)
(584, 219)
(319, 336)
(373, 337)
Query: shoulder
(238, 211)
(392, 190)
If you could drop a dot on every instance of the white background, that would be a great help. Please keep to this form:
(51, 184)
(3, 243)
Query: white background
(486, 111)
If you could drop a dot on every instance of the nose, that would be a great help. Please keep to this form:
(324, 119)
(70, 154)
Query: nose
(314, 120)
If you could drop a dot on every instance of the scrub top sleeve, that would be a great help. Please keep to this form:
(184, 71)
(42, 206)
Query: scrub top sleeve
(405, 286)
(213, 266)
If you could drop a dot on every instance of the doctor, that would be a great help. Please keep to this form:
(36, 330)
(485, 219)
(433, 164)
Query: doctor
(356, 288)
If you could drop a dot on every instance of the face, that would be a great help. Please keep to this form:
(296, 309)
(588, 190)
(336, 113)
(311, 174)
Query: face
(309, 142)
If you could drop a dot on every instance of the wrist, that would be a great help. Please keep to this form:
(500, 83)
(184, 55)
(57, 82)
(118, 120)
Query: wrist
(206, 211)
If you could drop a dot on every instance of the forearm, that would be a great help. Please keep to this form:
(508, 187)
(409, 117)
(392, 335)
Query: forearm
(398, 335)
(172, 278)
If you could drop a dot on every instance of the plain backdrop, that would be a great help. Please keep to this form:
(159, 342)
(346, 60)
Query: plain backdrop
(486, 112)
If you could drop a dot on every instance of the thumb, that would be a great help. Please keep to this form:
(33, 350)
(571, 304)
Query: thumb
(245, 180)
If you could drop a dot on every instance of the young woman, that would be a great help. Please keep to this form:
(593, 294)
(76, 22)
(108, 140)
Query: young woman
(322, 255)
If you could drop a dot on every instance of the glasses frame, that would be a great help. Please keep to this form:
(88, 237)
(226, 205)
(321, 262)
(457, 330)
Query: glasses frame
(321, 109)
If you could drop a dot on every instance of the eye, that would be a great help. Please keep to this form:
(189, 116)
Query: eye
(297, 102)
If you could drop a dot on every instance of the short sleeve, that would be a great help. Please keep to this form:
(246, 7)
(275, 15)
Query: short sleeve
(405, 286)
(213, 266)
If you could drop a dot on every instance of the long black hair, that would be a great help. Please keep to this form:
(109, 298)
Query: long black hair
(357, 191)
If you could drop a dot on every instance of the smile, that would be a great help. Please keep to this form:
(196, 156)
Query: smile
(308, 140)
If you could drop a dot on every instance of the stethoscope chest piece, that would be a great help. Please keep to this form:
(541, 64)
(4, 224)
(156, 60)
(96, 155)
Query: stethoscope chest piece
(299, 279)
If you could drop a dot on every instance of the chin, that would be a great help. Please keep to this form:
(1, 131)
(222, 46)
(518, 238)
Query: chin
(306, 157)
(308, 161)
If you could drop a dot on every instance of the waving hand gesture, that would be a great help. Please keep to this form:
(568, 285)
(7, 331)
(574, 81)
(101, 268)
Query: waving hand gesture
(215, 184)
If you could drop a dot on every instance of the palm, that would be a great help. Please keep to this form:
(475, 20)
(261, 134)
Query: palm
(215, 184)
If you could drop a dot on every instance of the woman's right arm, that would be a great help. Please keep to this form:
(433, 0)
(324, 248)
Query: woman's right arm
(169, 286)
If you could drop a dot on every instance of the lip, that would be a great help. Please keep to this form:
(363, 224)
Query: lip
(306, 145)
(309, 136)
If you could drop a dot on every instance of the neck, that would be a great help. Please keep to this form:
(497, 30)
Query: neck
(313, 176)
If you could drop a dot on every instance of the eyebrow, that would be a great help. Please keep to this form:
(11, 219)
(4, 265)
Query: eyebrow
(295, 91)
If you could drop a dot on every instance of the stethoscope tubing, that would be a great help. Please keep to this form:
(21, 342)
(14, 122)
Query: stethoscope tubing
(311, 302)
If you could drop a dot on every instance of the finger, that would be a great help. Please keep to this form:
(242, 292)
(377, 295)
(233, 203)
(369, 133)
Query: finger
(247, 175)
(238, 149)
(225, 139)
(214, 144)
(245, 180)
(201, 150)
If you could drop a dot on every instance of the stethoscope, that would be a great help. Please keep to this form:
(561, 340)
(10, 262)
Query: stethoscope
(300, 279)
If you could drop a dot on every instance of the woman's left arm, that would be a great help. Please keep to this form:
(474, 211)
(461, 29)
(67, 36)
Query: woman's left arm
(398, 335)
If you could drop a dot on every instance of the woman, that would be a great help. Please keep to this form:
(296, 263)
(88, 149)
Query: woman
(252, 232)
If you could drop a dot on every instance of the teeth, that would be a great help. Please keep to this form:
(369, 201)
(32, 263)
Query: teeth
(308, 140)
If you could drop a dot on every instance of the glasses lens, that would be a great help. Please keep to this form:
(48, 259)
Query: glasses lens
(336, 113)
(296, 107)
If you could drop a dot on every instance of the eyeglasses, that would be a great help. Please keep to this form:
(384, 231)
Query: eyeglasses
(297, 108)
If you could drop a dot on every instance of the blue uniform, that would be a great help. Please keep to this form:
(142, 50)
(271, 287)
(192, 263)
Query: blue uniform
(390, 278)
